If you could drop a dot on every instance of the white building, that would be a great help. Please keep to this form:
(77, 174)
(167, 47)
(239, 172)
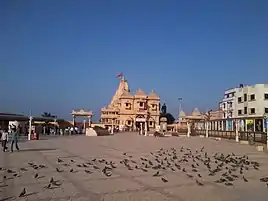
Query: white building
(245, 101)
(228, 103)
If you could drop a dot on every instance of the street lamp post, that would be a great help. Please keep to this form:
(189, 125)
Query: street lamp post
(180, 100)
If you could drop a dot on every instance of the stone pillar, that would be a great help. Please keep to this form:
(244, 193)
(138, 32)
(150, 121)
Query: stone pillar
(206, 125)
(189, 129)
(30, 128)
(145, 128)
(112, 129)
(89, 121)
(236, 130)
(84, 126)
(73, 120)
(141, 132)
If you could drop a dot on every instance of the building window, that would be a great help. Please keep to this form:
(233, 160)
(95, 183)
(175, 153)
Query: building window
(141, 104)
(252, 97)
(223, 105)
(239, 99)
(128, 106)
(245, 110)
(150, 123)
(239, 112)
(230, 104)
(265, 110)
(265, 96)
(245, 97)
(252, 110)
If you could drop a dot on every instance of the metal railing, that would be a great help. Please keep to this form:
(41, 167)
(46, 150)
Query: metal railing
(258, 137)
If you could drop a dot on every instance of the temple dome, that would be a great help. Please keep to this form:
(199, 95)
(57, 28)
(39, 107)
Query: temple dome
(153, 95)
(196, 112)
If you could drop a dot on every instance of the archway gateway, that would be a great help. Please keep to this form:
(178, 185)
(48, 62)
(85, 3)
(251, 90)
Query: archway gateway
(82, 113)
(141, 124)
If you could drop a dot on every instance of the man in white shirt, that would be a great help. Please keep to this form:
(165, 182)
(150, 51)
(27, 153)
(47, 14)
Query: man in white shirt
(4, 140)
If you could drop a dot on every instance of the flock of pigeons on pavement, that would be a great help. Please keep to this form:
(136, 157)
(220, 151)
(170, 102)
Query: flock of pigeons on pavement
(226, 169)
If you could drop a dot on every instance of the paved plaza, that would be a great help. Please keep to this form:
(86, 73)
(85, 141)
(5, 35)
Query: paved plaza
(129, 167)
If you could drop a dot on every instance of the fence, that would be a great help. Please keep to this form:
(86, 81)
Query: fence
(259, 137)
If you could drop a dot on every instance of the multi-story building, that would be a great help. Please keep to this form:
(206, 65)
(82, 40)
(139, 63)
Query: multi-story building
(245, 101)
(228, 103)
(132, 111)
(252, 101)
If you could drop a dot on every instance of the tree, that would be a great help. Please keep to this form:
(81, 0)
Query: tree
(48, 114)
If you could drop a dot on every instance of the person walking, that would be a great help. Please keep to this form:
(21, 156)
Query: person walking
(4, 139)
(14, 139)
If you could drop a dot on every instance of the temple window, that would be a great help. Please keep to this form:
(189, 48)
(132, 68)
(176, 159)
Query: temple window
(128, 106)
(141, 104)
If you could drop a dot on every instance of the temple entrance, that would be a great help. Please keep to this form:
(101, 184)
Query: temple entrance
(141, 125)
(81, 113)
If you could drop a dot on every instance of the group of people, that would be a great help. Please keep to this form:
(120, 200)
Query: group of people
(5, 138)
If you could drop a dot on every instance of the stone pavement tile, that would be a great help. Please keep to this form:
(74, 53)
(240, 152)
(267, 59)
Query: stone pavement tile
(110, 185)
(258, 194)
(172, 180)
(136, 196)
(201, 193)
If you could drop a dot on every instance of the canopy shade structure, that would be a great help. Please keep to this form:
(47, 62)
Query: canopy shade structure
(19, 117)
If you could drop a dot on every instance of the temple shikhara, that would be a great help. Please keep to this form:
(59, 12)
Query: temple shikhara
(132, 112)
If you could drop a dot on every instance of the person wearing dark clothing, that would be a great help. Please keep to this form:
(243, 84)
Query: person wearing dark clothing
(14, 140)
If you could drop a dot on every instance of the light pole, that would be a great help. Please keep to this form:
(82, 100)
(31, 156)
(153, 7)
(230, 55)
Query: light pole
(180, 100)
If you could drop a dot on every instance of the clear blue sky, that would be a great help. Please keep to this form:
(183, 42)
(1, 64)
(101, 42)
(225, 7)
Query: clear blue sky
(59, 55)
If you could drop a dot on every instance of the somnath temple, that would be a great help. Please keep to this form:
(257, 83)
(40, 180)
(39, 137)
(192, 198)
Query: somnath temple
(132, 112)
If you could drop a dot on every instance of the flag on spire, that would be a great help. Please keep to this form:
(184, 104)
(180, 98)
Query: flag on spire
(120, 75)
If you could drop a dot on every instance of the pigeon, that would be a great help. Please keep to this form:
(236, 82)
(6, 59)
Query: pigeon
(23, 192)
(228, 184)
(157, 174)
(48, 186)
(36, 175)
(199, 183)
(59, 160)
(72, 170)
(164, 180)
(264, 179)
(245, 180)
(88, 172)
(51, 180)
(58, 170)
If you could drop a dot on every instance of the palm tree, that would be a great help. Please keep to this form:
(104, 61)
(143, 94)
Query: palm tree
(48, 114)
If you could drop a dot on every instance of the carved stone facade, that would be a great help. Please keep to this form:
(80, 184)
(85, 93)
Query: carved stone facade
(132, 111)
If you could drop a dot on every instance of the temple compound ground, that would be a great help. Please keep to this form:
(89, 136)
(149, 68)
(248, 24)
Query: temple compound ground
(130, 167)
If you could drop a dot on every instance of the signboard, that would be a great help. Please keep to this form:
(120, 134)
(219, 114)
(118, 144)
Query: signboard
(140, 120)
(265, 116)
